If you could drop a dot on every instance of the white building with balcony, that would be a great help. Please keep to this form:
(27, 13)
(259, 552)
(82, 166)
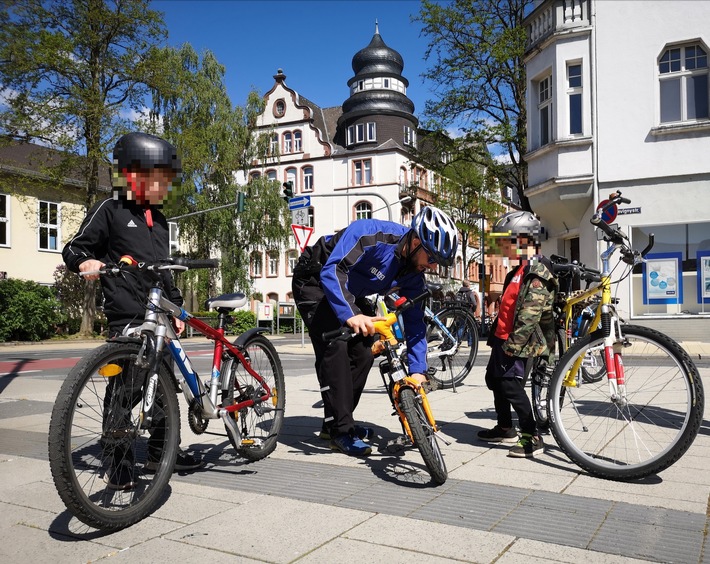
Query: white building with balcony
(618, 98)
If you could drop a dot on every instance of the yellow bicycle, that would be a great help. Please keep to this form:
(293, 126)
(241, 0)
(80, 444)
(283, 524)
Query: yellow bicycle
(645, 414)
(408, 397)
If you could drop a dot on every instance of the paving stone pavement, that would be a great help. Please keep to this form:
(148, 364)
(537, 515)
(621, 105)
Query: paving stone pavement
(306, 503)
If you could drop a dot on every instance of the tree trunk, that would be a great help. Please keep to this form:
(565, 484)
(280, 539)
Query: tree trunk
(88, 308)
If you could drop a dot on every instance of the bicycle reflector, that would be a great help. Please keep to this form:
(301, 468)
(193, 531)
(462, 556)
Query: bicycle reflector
(109, 370)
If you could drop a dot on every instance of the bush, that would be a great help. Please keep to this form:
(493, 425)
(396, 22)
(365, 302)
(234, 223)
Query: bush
(28, 311)
(243, 320)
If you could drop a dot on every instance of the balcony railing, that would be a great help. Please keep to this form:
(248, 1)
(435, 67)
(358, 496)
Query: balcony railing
(555, 15)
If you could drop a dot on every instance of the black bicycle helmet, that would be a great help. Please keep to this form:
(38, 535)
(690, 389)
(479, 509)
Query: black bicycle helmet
(142, 151)
(516, 224)
(438, 234)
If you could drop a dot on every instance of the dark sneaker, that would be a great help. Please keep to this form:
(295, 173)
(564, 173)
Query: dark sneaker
(362, 433)
(528, 446)
(120, 477)
(184, 462)
(498, 435)
(350, 445)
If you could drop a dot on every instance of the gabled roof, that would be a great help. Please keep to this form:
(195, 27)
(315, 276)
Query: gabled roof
(30, 159)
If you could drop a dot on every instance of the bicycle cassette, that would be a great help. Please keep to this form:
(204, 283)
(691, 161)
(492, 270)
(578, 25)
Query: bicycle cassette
(198, 425)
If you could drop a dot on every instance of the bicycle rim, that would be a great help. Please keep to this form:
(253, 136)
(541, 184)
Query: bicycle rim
(423, 434)
(95, 446)
(260, 424)
(648, 434)
(451, 361)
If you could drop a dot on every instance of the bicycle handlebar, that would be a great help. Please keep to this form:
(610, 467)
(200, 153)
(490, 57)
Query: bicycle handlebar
(403, 303)
(561, 267)
(615, 235)
(127, 263)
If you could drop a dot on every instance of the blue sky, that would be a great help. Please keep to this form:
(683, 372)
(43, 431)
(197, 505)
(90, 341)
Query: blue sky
(313, 41)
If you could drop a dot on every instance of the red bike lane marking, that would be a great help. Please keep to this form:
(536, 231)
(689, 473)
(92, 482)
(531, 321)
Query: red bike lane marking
(21, 365)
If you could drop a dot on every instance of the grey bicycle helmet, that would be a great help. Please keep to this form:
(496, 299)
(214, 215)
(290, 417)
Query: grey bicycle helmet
(142, 151)
(437, 233)
(516, 224)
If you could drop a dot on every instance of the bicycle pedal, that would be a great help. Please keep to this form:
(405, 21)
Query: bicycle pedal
(248, 442)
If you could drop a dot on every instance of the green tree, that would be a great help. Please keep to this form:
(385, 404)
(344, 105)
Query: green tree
(68, 69)
(476, 49)
(216, 141)
(28, 311)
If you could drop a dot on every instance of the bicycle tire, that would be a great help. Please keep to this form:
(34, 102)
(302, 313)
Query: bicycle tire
(539, 386)
(458, 364)
(260, 424)
(660, 422)
(423, 435)
(92, 432)
(593, 369)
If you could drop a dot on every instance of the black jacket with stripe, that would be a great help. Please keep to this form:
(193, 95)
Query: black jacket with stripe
(114, 228)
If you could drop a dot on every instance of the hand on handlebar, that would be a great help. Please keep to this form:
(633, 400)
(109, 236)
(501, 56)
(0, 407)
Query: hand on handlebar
(89, 269)
(362, 324)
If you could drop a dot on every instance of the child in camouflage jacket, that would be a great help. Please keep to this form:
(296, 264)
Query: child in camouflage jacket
(523, 329)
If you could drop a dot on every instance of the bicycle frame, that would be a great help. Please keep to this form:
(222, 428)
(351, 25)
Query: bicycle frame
(157, 329)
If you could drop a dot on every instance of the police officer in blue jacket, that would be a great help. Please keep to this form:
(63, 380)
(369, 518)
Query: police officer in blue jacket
(330, 283)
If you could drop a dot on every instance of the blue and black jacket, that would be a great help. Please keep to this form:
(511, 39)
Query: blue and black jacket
(365, 259)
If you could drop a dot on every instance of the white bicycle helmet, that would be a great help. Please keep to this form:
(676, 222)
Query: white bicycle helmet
(516, 224)
(437, 233)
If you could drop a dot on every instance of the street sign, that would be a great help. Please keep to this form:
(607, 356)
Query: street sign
(610, 214)
(299, 216)
(302, 233)
(299, 202)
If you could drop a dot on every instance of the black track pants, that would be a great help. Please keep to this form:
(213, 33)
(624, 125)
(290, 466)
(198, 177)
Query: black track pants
(341, 366)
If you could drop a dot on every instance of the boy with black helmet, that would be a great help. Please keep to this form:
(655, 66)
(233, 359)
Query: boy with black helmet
(523, 328)
(145, 170)
(330, 283)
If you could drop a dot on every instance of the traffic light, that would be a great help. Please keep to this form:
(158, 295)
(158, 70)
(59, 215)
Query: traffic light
(241, 201)
(288, 190)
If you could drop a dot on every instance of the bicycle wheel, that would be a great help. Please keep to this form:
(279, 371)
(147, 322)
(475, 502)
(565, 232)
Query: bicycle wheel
(110, 473)
(261, 423)
(539, 382)
(450, 361)
(593, 368)
(423, 434)
(648, 433)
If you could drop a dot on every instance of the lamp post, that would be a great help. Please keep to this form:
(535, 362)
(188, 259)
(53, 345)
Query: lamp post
(482, 270)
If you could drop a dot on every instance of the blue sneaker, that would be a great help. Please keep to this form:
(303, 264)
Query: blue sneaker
(350, 445)
(362, 433)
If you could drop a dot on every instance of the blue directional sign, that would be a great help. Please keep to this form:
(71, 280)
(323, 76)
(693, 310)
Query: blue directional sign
(299, 202)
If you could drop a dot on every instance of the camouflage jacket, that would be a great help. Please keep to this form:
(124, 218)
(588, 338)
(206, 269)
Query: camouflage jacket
(533, 331)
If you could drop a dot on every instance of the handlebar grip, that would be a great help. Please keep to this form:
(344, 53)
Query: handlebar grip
(340, 333)
(624, 200)
(195, 263)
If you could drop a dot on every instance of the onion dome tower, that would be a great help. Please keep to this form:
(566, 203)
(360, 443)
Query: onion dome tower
(378, 108)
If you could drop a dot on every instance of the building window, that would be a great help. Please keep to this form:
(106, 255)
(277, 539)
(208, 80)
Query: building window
(292, 257)
(544, 107)
(274, 144)
(291, 174)
(287, 142)
(256, 265)
(359, 132)
(371, 131)
(254, 175)
(271, 174)
(279, 108)
(174, 237)
(362, 172)
(49, 226)
(363, 210)
(4, 220)
(297, 144)
(308, 179)
(410, 136)
(683, 75)
(273, 258)
(387, 82)
(351, 135)
(574, 93)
